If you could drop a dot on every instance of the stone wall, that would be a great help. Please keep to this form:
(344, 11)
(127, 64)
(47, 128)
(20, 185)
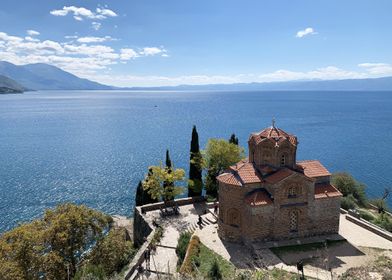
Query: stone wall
(325, 216)
(141, 228)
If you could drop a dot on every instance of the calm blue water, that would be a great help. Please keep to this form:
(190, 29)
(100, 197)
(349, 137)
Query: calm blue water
(93, 147)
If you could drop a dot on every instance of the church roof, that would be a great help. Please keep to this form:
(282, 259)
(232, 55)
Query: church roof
(326, 191)
(247, 172)
(241, 173)
(274, 134)
(313, 168)
(229, 178)
(279, 175)
(258, 198)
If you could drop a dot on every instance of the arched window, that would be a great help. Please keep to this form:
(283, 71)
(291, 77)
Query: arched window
(293, 216)
(292, 192)
(283, 160)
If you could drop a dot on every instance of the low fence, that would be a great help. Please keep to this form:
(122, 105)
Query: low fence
(138, 259)
(176, 202)
(369, 226)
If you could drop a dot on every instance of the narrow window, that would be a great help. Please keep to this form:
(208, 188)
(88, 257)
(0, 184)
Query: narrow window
(292, 192)
(293, 221)
(282, 160)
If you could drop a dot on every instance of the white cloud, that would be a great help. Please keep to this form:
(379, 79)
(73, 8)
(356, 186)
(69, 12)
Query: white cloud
(305, 32)
(127, 54)
(32, 32)
(94, 39)
(96, 25)
(81, 13)
(31, 39)
(106, 12)
(7, 38)
(377, 68)
(152, 51)
(83, 56)
(324, 73)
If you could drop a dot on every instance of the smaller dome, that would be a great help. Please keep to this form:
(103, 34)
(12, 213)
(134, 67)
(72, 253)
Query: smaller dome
(273, 133)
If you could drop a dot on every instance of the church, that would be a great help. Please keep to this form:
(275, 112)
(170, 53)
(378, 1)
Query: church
(272, 196)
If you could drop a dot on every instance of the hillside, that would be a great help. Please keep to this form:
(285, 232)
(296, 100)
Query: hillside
(8, 85)
(42, 76)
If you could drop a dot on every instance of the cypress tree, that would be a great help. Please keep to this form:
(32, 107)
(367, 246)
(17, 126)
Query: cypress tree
(139, 194)
(169, 168)
(233, 139)
(143, 197)
(168, 160)
(195, 172)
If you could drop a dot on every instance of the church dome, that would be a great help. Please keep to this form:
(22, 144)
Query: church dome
(274, 134)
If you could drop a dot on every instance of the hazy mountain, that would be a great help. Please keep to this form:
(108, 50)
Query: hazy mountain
(42, 76)
(376, 84)
(8, 85)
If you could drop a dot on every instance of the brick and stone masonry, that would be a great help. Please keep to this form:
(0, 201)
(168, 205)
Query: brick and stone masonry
(272, 196)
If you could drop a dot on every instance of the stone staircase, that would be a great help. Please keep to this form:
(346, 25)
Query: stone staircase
(207, 219)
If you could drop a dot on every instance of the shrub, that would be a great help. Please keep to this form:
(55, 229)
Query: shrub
(113, 251)
(348, 202)
(347, 185)
(90, 272)
(215, 272)
(157, 236)
(380, 204)
(384, 221)
(193, 250)
(182, 246)
(366, 215)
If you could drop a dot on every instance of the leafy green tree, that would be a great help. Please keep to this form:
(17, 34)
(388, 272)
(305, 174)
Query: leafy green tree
(71, 229)
(233, 139)
(161, 184)
(21, 250)
(142, 197)
(112, 252)
(218, 156)
(347, 185)
(195, 183)
(51, 247)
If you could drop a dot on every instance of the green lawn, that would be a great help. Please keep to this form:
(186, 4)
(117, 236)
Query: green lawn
(303, 248)
(207, 256)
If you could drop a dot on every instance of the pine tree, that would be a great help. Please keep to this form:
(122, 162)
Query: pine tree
(195, 184)
(233, 139)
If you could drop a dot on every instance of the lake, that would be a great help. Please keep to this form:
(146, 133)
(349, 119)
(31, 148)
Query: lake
(93, 147)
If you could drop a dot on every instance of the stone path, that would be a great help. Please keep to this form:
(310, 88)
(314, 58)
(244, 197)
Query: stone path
(164, 260)
(358, 250)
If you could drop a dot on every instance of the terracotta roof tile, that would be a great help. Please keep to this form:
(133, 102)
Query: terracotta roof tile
(229, 178)
(258, 198)
(313, 168)
(247, 172)
(279, 176)
(326, 191)
(274, 134)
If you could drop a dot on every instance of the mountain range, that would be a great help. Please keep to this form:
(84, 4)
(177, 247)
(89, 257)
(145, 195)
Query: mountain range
(371, 84)
(8, 85)
(42, 76)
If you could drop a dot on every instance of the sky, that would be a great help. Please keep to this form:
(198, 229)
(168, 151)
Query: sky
(172, 42)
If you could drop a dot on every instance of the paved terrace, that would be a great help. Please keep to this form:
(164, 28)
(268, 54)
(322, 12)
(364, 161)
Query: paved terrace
(361, 247)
